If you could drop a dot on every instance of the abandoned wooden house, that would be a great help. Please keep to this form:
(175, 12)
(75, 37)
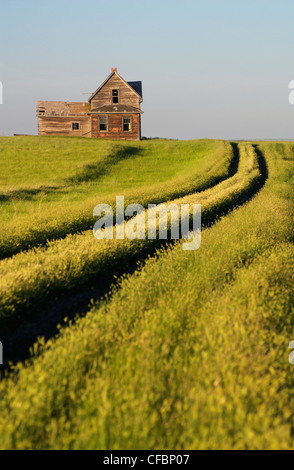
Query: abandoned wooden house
(113, 111)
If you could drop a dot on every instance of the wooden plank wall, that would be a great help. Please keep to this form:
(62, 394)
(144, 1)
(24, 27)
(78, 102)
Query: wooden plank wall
(126, 94)
(62, 108)
(56, 117)
(115, 128)
(63, 126)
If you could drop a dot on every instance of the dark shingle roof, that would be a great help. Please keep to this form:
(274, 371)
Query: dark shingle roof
(137, 86)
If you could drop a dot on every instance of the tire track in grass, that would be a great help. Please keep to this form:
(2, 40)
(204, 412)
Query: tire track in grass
(21, 333)
(16, 239)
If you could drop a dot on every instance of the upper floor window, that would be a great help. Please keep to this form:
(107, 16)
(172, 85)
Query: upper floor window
(114, 96)
(103, 123)
(127, 124)
(75, 126)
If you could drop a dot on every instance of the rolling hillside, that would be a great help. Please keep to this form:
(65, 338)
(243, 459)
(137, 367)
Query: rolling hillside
(170, 349)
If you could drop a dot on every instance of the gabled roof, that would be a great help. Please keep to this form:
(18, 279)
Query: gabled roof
(115, 109)
(107, 79)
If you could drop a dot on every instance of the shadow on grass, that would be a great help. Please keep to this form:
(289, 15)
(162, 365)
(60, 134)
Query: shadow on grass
(89, 173)
(94, 171)
(27, 194)
(54, 231)
(21, 332)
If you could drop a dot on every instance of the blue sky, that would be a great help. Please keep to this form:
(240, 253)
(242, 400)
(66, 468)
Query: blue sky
(211, 68)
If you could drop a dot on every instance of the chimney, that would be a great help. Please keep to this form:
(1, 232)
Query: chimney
(113, 70)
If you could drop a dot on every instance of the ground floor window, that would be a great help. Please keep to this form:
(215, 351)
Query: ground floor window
(75, 126)
(103, 123)
(127, 124)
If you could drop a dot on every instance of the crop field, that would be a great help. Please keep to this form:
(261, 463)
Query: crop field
(138, 344)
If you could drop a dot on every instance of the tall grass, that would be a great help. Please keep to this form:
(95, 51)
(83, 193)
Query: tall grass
(198, 173)
(48, 273)
(190, 352)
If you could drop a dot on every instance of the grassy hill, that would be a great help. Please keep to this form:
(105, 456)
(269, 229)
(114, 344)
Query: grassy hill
(37, 173)
(189, 350)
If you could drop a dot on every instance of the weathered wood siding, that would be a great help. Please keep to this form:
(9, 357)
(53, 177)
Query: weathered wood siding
(115, 127)
(126, 95)
(62, 108)
(56, 118)
(63, 126)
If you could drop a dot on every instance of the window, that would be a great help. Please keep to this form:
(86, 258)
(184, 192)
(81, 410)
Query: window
(75, 126)
(103, 123)
(127, 124)
(114, 96)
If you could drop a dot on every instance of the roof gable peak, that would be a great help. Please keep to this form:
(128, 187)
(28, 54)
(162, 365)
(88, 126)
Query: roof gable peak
(113, 72)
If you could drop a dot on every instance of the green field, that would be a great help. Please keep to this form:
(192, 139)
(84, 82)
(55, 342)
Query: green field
(188, 349)
(39, 173)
